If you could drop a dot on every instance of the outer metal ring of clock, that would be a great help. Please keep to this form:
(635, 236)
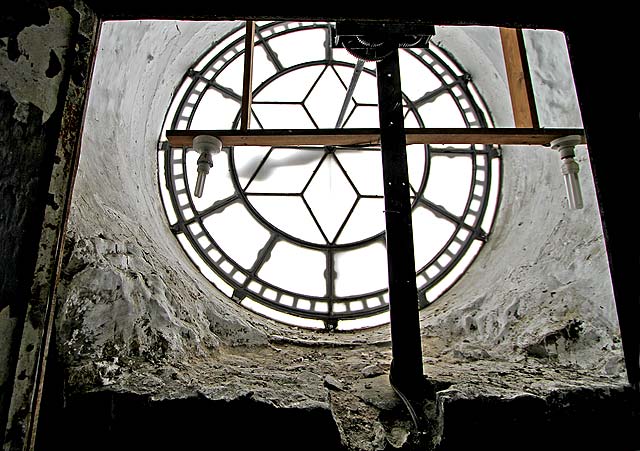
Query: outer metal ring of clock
(297, 234)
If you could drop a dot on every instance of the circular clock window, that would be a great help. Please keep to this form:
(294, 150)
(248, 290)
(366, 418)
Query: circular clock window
(296, 233)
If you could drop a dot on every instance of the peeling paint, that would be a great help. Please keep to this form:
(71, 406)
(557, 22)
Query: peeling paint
(26, 60)
(54, 65)
(35, 78)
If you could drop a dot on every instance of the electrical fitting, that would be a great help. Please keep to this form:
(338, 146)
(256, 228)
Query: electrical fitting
(570, 168)
(207, 146)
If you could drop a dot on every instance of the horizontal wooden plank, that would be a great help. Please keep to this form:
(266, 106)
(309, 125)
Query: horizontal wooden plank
(371, 136)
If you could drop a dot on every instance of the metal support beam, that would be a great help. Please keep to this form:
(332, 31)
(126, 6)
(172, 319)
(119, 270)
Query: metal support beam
(247, 90)
(406, 370)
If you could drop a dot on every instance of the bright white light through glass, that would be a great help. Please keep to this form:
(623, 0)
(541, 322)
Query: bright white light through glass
(285, 171)
(295, 269)
(214, 112)
(235, 226)
(330, 196)
(349, 266)
(328, 86)
(366, 220)
(449, 182)
(289, 214)
(364, 168)
(292, 88)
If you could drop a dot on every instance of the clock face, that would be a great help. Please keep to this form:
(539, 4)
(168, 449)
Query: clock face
(296, 233)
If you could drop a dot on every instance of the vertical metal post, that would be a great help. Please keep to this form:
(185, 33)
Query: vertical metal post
(247, 89)
(406, 344)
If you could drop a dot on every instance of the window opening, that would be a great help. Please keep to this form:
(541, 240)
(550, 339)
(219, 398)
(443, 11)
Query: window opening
(296, 233)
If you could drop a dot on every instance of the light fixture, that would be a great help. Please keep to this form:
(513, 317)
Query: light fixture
(206, 145)
(566, 147)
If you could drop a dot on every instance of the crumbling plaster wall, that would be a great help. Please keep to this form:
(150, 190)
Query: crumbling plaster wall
(136, 316)
(541, 286)
(146, 302)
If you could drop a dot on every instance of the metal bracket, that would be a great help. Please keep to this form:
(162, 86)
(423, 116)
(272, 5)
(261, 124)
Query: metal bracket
(207, 146)
(372, 42)
(566, 147)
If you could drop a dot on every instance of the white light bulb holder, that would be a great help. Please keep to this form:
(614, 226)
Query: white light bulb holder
(566, 148)
(207, 143)
(207, 146)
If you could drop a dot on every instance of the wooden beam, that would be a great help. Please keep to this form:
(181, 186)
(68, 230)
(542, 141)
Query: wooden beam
(247, 91)
(371, 136)
(519, 78)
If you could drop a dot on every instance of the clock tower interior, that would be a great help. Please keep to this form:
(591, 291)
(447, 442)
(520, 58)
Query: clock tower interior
(251, 307)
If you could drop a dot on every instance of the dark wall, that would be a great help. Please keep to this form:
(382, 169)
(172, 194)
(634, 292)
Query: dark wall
(27, 146)
(45, 60)
(611, 114)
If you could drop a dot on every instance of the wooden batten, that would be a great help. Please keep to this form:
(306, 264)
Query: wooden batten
(371, 136)
(518, 76)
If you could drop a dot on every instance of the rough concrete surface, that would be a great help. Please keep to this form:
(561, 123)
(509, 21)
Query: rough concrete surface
(534, 315)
